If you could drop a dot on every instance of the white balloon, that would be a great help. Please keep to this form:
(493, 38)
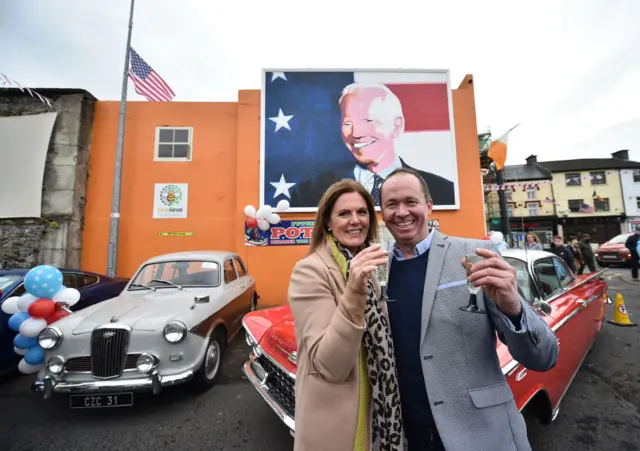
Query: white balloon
(32, 327)
(69, 296)
(10, 305)
(496, 237)
(20, 351)
(263, 225)
(250, 211)
(25, 368)
(282, 205)
(274, 218)
(264, 212)
(25, 301)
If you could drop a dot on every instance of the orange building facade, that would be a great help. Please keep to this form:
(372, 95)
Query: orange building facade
(223, 175)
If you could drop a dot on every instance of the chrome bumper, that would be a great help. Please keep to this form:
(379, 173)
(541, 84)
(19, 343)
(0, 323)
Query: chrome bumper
(154, 382)
(264, 392)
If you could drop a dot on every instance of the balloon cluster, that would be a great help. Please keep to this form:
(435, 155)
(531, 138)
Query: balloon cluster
(44, 303)
(265, 216)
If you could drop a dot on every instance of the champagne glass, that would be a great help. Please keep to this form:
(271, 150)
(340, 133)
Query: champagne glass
(470, 260)
(382, 271)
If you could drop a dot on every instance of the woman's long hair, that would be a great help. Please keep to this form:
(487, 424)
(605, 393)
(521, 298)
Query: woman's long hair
(325, 207)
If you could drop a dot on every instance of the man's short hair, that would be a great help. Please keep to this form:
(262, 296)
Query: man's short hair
(392, 108)
(558, 237)
(410, 171)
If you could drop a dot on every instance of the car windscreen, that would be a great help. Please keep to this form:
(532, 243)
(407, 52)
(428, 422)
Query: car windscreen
(177, 273)
(7, 281)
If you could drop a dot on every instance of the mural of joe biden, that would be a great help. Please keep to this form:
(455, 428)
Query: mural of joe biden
(372, 120)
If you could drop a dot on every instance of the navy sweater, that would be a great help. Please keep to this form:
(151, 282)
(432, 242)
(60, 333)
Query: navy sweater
(405, 289)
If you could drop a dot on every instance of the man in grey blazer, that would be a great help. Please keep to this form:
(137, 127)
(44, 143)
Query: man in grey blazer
(453, 392)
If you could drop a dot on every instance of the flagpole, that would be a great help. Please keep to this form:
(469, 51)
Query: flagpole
(112, 258)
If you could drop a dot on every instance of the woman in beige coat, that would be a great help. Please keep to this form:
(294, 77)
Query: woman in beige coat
(346, 390)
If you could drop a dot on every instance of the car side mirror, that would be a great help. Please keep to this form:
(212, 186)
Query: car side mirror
(200, 300)
(542, 307)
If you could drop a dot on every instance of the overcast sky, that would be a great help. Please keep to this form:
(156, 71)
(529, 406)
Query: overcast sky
(567, 70)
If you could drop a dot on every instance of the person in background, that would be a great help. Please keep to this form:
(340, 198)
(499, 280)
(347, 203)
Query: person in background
(563, 251)
(587, 254)
(532, 242)
(346, 389)
(453, 392)
(632, 244)
(575, 250)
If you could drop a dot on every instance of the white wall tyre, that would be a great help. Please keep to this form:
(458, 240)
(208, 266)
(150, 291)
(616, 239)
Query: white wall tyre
(211, 367)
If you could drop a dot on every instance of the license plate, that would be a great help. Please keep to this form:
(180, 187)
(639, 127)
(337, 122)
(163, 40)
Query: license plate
(610, 257)
(101, 401)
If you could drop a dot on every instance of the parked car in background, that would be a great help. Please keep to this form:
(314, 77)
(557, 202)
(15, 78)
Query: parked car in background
(169, 326)
(573, 306)
(93, 288)
(614, 252)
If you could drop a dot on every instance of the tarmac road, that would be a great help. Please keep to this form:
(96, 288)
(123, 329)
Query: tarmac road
(600, 411)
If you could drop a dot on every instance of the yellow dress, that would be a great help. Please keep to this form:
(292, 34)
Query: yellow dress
(362, 430)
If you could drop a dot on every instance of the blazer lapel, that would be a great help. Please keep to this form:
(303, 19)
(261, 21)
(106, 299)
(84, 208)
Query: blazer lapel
(437, 255)
(325, 254)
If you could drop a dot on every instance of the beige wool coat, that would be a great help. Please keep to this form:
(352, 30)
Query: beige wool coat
(327, 379)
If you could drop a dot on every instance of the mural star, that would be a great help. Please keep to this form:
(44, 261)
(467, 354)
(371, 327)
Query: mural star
(282, 187)
(281, 120)
(276, 75)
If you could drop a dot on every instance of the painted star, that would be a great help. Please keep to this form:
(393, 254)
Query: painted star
(281, 120)
(276, 75)
(282, 187)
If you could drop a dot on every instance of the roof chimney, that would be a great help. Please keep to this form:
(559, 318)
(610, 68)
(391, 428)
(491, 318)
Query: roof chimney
(621, 154)
(532, 159)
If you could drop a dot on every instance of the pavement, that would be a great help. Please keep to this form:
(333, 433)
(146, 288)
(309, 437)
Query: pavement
(601, 410)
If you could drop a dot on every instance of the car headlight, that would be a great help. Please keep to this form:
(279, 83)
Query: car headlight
(49, 338)
(175, 331)
(145, 363)
(55, 364)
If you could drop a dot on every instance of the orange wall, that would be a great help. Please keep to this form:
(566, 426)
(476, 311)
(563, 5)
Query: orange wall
(223, 177)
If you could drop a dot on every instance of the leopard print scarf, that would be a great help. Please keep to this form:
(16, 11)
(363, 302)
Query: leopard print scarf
(387, 433)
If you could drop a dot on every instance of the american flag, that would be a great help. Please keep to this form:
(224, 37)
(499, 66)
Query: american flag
(584, 208)
(147, 82)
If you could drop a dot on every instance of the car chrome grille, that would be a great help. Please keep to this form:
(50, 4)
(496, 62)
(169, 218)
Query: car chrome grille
(83, 364)
(280, 385)
(108, 352)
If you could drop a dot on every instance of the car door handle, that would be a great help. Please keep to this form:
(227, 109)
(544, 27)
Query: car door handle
(580, 301)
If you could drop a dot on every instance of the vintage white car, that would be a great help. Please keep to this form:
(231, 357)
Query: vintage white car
(170, 325)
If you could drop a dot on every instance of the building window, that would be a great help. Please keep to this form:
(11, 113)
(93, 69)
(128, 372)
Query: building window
(638, 203)
(636, 176)
(533, 209)
(531, 193)
(507, 195)
(574, 205)
(573, 179)
(173, 143)
(601, 205)
(509, 211)
(598, 178)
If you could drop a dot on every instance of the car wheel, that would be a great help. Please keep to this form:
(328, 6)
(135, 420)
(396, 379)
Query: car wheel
(208, 373)
(254, 302)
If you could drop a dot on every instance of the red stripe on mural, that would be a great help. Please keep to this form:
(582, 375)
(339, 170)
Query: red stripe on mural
(425, 106)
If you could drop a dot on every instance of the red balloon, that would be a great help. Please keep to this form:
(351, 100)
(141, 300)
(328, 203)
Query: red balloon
(41, 308)
(59, 305)
(252, 223)
(58, 314)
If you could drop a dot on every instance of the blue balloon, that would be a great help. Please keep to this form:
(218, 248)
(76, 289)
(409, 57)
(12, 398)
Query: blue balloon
(22, 342)
(17, 319)
(43, 281)
(34, 356)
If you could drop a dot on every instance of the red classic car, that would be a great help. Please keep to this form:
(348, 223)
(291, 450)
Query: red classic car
(614, 252)
(573, 306)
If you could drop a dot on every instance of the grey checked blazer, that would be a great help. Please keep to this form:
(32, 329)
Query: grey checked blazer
(472, 403)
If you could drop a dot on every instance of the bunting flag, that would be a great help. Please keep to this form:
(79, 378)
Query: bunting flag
(10, 82)
(524, 185)
(498, 149)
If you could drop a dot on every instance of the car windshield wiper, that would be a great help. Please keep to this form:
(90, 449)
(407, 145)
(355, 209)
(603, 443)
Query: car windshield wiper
(168, 283)
(139, 285)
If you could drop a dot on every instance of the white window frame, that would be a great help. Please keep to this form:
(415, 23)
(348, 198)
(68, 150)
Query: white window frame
(535, 208)
(508, 195)
(638, 203)
(510, 211)
(156, 143)
(531, 193)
